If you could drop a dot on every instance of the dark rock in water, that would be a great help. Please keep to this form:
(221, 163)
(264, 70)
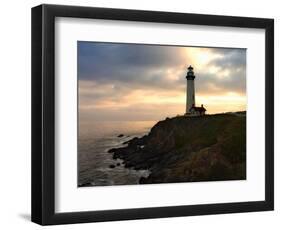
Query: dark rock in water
(111, 166)
(118, 164)
(182, 149)
(112, 150)
(136, 141)
(85, 184)
(120, 135)
(142, 180)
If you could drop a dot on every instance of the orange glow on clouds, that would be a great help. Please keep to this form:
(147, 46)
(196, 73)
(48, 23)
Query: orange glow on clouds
(156, 102)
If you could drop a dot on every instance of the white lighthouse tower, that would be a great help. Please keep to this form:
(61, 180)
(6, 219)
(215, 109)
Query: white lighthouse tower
(191, 109)
(190, 92)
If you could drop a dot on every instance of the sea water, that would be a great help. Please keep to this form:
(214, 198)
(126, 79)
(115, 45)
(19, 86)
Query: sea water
(96, 166)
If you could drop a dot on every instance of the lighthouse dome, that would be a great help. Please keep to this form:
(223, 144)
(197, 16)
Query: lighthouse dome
(190, 74)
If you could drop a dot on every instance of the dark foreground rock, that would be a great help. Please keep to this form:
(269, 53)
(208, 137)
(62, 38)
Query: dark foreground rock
(182, 149)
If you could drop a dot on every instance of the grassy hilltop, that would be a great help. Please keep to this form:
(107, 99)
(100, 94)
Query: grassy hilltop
(183, 149)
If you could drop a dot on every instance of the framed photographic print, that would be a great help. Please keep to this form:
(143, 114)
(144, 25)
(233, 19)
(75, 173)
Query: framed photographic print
(142, 114)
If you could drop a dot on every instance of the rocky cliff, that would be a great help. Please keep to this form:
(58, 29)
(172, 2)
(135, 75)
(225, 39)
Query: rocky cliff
(185, 149)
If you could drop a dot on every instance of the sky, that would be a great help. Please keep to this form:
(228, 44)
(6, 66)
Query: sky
(137, 82)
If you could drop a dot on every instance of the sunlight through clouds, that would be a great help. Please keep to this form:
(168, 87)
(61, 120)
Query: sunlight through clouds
(142, 82)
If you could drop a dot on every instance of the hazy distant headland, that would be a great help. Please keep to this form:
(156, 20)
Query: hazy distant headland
(190, 149)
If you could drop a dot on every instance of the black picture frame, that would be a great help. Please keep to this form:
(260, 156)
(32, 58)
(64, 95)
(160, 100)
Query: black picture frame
(43, 114)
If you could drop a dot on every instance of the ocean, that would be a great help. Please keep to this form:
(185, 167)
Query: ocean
(96, 167)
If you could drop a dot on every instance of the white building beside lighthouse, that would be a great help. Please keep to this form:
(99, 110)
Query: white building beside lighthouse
(191, 109)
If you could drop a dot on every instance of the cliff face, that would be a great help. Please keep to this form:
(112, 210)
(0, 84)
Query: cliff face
(183, 149)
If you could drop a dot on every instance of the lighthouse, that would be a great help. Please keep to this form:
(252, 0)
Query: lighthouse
(190, 92)
(191, 109)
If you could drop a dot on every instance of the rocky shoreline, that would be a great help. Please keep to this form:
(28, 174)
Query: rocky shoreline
(190, 149)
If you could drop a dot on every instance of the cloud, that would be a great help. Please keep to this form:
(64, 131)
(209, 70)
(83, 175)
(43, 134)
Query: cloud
(114, 62)
(227, 72)
(125, 78)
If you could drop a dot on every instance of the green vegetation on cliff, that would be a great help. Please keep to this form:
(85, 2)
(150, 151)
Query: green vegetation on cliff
(182, 149)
